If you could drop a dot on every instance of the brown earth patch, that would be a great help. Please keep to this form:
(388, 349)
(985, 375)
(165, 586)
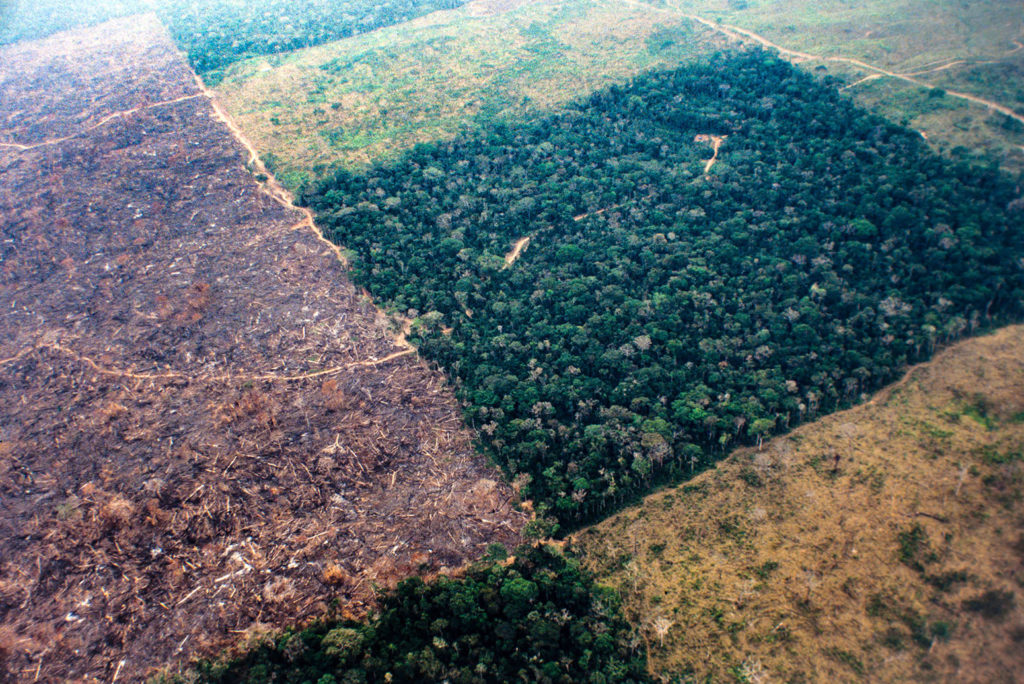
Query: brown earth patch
(716, 144)
(206, 429)
(517, 251)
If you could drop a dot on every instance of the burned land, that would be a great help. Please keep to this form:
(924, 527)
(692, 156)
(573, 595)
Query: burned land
(206, 428)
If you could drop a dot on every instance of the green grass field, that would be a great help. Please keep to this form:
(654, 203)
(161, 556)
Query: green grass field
(369, 97)
(362, 99)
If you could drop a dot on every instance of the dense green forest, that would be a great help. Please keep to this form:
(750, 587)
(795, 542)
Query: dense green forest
(661, 315)
(216, 33)
(537, 619)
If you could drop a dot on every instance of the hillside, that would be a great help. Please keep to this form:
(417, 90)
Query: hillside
(917, 61)
(628, 253)
(216, 33)
(207, 429)
(883, 543)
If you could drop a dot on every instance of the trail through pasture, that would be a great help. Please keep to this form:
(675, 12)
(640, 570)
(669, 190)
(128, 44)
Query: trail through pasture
(739, 34)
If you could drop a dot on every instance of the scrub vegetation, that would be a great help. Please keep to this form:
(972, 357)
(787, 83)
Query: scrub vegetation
(882, 543)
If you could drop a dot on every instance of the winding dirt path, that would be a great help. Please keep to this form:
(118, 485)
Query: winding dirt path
(944, 67)
(737, 33)
(223, 377)
(517, 250)
(866, 79)
(102, 122)
(271, 186)
(716, 144)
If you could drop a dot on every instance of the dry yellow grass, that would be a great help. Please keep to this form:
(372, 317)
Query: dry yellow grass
(904, 562)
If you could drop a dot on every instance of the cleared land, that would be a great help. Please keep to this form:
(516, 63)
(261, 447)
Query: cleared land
(366, 98)
(206, 429)
(972, 48)
(371, 97)
(884, 542)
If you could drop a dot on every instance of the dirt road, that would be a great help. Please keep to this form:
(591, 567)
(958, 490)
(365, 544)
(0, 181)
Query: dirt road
(517, 250)
(740, 34)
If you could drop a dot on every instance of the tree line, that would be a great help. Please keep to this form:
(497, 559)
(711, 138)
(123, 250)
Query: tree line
(538, 618)
(217, 33)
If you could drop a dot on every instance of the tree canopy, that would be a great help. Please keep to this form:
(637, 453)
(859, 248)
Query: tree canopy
(217, 33)
(539, 618)
(661, 314)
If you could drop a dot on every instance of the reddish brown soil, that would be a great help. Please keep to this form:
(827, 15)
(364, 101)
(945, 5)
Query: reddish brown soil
(204, 428)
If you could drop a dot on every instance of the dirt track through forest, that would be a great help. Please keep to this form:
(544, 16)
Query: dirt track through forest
(517, 250)
(716, 144)
(739, 34)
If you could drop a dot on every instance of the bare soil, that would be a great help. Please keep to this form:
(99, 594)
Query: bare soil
(206, 430)
(716, 144)
(517, 250)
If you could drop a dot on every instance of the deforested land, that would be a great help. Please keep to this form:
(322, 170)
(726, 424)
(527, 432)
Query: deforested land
(881, 543)
(208, 430)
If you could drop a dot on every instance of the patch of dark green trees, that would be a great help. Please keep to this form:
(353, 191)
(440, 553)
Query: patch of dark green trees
(662, 315)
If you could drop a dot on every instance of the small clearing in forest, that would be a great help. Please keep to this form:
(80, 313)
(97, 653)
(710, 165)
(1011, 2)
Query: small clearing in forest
(517, 250)
(716, 143)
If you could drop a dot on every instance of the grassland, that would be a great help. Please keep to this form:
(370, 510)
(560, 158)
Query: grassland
(881, 543)
(370, 97)
(976, 48)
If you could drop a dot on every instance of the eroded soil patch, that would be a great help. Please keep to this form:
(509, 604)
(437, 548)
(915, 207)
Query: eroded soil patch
(206, 429)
